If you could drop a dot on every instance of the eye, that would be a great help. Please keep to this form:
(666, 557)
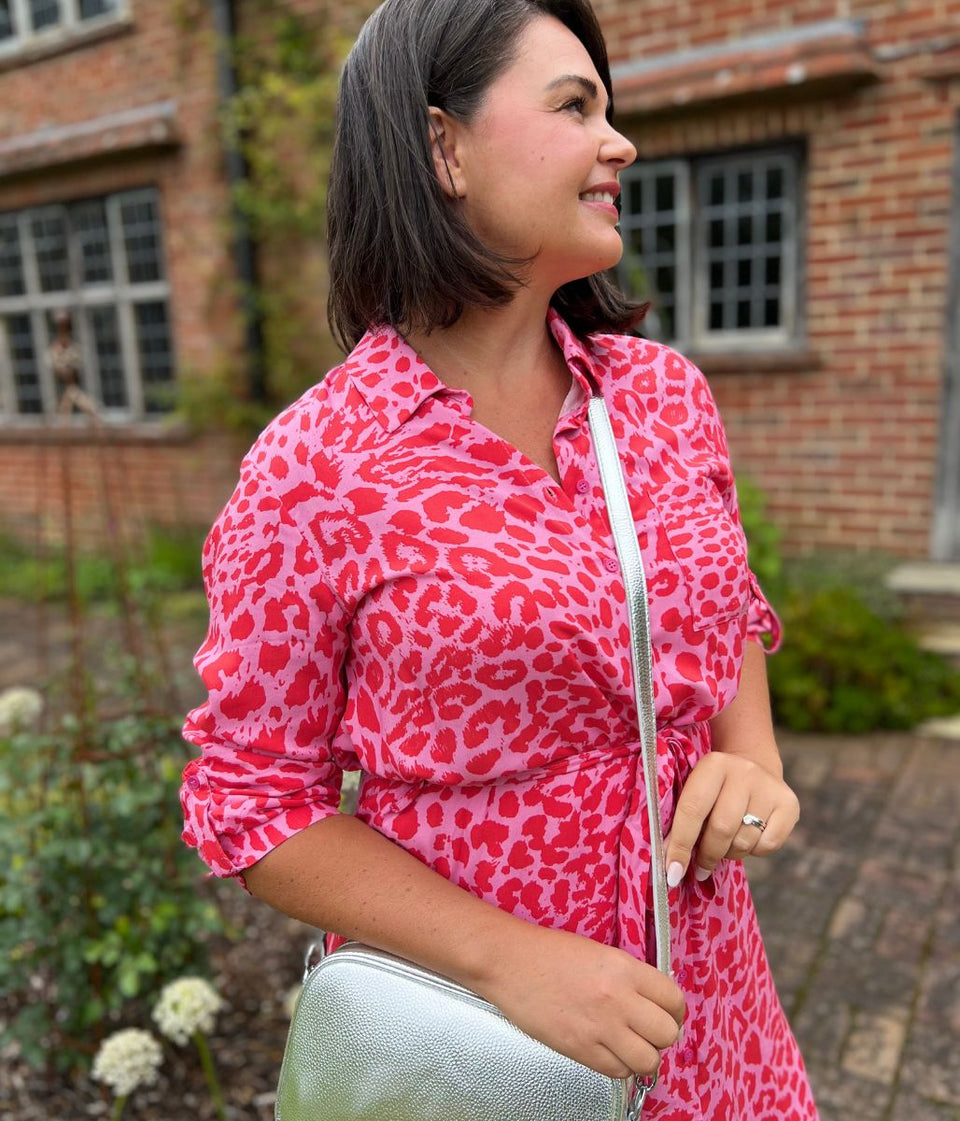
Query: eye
(577, 103)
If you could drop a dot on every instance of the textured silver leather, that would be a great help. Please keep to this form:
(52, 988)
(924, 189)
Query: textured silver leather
(377, 1038)
(631, 567)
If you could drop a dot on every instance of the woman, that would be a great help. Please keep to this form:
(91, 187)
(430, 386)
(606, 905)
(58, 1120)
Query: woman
(416, 578)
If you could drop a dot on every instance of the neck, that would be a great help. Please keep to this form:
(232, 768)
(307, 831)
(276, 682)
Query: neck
(490, 351)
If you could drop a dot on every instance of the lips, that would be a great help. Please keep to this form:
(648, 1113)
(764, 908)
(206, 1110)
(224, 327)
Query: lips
(602, 192)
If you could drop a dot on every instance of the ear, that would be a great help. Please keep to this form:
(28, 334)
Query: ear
(445, 144)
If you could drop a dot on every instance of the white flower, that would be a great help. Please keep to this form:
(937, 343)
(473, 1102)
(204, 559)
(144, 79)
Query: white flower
(128, 1059)
(19, 707)
(187, 1006)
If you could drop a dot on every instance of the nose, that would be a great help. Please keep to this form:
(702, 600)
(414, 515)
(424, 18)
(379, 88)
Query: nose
(617, 149)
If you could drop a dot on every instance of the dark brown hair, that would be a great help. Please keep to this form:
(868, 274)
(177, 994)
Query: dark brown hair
(400, 251)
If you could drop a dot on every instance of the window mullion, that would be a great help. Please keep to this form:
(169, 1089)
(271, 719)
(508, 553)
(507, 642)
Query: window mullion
(683, 307)
(69, 13)
(8, 392)
(21, 19)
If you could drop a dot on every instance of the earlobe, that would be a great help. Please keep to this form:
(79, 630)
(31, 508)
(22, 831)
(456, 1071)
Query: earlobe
(444, 149)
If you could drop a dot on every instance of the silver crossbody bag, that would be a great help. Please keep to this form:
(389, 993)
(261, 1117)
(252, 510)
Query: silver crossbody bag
(378, 1038)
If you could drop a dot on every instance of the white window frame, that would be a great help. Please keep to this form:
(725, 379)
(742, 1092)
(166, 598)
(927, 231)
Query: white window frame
(118, 293)
(67, 28)
(691, 311)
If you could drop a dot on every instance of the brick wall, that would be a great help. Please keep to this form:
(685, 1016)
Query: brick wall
(845, 446)
(846, 449)
(149, 60)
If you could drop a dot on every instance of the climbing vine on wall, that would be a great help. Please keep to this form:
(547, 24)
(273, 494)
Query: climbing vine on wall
(281, 118)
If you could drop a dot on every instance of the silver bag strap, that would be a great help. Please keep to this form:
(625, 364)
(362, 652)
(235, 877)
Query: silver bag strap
(631, 567)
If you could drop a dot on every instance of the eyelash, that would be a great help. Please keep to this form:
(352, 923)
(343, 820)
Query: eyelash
(578, 103)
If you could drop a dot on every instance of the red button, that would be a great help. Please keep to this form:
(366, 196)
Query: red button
(583, 486)
(610, 564)
(193, 783)
(683, 976)
(688, 1055)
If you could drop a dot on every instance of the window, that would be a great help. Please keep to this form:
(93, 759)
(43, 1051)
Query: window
(101, 259)
(713, 243)
(27, 22)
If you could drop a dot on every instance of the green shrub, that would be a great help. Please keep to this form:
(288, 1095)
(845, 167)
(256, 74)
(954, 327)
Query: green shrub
(763, 539)
(167, 561)
(100, 902)
(844, 667)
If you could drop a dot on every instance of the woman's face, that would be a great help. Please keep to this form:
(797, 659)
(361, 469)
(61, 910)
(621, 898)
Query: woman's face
(529, 164)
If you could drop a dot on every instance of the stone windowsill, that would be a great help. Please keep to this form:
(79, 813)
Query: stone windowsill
(81, 433)
(59, 40)
(755, 361)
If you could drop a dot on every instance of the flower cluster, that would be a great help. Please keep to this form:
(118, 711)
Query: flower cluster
(127, 1060)
(19, 708)
(185, 1007)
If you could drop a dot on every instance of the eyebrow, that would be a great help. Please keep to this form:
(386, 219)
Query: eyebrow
(586, 84)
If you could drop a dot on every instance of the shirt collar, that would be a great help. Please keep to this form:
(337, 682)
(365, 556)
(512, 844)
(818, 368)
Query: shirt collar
(394, 380)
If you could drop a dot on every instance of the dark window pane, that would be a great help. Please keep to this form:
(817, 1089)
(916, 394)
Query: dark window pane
(666, 280)
(23, 359)
(635, 196)
(636, 242)
(91, 8)
(6, 20)
(50, 243)
(716, 315)
(664, 192)
(44, 13)
(716, 233)
(635, 279)
(771, 313)
(11, 262)
(141, 237)
(743, 313)
(774, 227)
(715, 190)
(771, 272)
(156, 359)
(666, 239)
(774, 183)
(745, 186)
(744, 273)
(93, 240)
(106, 339)
(716, 276)
(744, 230)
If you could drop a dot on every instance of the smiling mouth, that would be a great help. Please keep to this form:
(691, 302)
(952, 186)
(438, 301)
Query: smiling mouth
(607, 197)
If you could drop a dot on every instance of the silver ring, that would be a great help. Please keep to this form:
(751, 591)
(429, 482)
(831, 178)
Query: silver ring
(752, 819)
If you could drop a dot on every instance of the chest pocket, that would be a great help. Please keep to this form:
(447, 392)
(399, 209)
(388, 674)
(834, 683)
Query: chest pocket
(709, 548)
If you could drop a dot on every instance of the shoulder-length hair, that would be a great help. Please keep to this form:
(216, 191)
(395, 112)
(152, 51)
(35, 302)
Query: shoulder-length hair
(400, 251)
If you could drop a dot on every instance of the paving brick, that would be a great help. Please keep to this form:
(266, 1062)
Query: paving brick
(909, 1106)
(931, 1063)
(842, 1096)
(875, 1044)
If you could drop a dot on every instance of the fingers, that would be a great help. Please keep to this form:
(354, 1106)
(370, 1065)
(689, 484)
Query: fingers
(694, 806)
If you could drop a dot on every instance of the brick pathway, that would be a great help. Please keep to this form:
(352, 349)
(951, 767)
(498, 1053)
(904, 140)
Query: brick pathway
(861, 917)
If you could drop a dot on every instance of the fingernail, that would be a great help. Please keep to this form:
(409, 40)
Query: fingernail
(702, 874)
(674, 874)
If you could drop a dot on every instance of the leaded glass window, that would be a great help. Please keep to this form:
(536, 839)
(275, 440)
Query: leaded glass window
(102, 260)
(714, 244)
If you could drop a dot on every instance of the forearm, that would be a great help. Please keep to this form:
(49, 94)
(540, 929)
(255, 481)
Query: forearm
(342, 875)
(745, 726)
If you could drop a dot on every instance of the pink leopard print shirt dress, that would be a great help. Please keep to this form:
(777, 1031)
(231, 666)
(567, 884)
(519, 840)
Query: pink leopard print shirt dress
(394, 588)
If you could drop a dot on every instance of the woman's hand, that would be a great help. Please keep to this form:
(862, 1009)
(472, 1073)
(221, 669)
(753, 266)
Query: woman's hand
(721, 789)
(591, 1002)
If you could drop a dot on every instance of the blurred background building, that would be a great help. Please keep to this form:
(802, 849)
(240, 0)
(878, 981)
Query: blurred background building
(794, 215)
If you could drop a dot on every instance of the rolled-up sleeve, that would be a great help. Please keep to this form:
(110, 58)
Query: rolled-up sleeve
(272, 664)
